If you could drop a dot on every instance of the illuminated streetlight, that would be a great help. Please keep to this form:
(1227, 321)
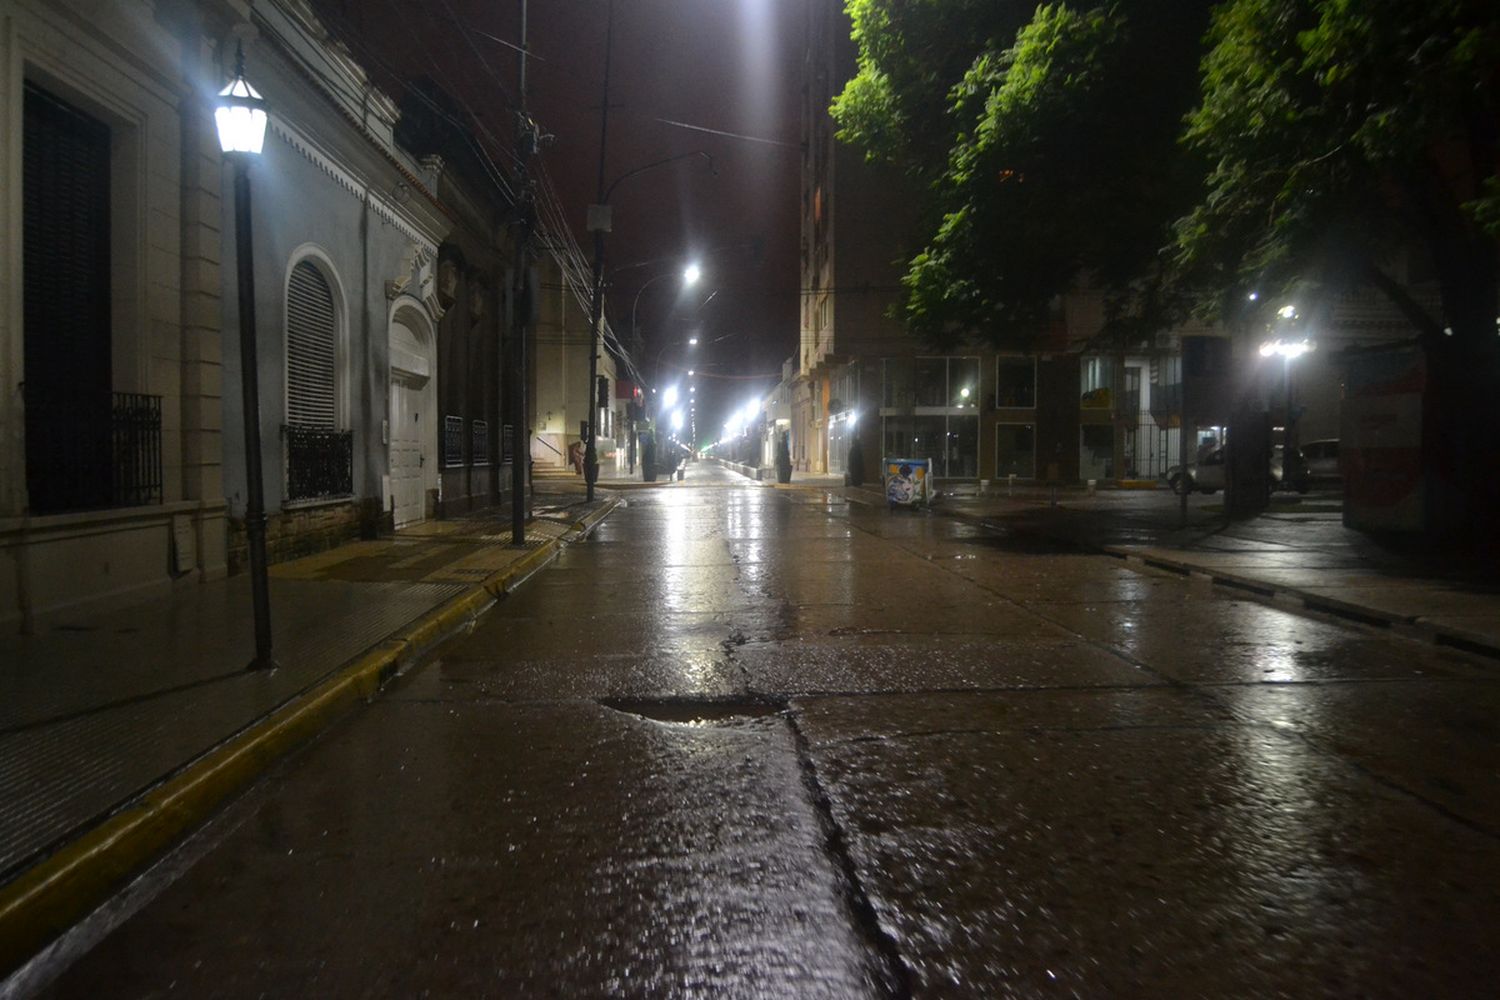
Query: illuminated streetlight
(691, 274)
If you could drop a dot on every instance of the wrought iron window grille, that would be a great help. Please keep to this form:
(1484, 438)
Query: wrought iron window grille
(319, 462)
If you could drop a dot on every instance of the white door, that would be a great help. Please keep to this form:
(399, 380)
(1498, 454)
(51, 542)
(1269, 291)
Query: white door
(407, 458)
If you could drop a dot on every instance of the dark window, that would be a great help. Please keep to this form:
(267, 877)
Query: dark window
(66, 315)
(1015, 382)
(1015, 451)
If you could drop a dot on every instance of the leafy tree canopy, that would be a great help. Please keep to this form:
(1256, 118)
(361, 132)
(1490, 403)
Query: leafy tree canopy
(1046, 141)
(1343, 133)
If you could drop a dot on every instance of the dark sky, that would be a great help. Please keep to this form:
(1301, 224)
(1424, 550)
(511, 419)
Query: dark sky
(726, 65)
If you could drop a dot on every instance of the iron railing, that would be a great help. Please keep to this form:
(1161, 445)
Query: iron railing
(135, 436)
(453, 442)
(479, 442)
(319, 462)
(94, 452)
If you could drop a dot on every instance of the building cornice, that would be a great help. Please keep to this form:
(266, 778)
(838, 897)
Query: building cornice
(364, 191)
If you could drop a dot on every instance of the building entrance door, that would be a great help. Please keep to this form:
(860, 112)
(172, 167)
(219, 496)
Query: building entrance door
(408, 458)
(414, 421)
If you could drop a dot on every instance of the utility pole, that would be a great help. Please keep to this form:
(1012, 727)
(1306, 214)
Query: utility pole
(520, 451)
(599, 222)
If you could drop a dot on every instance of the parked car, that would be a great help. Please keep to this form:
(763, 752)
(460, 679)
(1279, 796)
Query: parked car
(1322, 460)
(1207, 474)
(1203, 476)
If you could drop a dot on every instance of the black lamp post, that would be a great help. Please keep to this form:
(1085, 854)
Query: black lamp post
(240, 115)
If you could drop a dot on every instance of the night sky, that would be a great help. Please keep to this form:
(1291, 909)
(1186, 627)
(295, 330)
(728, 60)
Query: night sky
(727, 65)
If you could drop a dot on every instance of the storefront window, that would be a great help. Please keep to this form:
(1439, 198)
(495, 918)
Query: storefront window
(931, 382)
(946, 393)
(1096, 379)
(963, 383)
(898, 383)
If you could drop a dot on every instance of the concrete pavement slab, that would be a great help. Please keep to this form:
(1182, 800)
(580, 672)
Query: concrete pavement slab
(1438, 741)
(565, 851)
(1227, 641)
(880, 662)
(1080, 827)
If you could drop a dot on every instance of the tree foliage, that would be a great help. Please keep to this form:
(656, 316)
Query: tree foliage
(1344, 134)
(1046, 143)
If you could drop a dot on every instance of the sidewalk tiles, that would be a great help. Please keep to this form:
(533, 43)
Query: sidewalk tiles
(99, 710)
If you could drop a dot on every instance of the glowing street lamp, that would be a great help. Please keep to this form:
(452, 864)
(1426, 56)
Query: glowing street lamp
(240, 116)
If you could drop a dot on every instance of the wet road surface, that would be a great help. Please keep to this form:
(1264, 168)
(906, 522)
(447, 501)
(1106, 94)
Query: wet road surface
(757, 742)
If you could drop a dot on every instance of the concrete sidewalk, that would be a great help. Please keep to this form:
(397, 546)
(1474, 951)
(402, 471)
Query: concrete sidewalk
(120, 731)
(1297, 554)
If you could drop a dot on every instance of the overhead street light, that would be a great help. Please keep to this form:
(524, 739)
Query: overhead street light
(240, 117)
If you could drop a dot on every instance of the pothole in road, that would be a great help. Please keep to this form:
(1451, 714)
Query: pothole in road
(696, 711)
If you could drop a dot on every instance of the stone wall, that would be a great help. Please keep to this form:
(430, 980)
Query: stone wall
(300, 532)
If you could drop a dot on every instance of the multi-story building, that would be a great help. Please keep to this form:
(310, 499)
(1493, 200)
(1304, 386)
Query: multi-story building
(378, 295)
(1059, 407)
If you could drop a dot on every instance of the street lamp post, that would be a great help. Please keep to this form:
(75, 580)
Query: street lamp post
(240, 117)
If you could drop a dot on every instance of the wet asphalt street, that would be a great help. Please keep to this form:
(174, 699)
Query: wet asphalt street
(753, 742)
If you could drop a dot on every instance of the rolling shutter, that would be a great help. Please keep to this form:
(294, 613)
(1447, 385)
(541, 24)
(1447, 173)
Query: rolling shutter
(309, 348)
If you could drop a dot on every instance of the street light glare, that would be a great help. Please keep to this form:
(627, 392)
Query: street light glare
(1289, 349)
(691, 275)
(692, 341)
(669, 397)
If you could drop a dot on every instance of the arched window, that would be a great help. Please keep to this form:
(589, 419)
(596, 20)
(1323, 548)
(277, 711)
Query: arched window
(310, 348)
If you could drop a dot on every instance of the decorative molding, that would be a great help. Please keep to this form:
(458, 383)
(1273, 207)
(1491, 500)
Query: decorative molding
(366, 193)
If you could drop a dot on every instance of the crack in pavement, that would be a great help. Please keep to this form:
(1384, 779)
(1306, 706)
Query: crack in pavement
(897, 983)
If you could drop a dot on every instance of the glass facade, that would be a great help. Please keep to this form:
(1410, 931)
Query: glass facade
(930, 410)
